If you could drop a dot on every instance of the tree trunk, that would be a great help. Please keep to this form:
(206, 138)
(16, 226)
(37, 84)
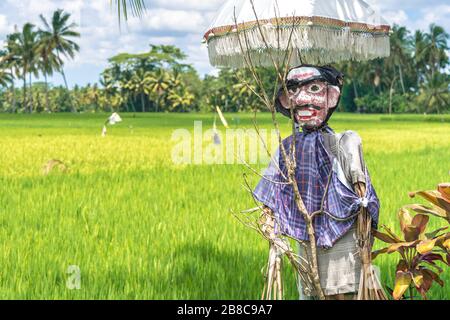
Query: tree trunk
(390, 95)
(47, 105)
(400, 72)
(130, 102)
(63, 74)
(158, 102)
(24, 99)
(142, 102)
(31, 94)
(72, 107)
(355, 91)
(13, 104)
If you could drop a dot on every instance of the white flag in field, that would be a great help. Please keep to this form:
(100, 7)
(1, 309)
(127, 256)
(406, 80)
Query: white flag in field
(115, 118)
(112, 120)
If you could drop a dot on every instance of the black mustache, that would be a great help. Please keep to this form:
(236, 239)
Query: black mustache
(307, 106)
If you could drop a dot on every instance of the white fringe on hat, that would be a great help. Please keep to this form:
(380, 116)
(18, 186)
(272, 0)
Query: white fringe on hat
(316, 45)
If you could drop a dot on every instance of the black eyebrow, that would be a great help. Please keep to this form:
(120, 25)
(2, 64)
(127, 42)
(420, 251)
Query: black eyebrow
(295, 82)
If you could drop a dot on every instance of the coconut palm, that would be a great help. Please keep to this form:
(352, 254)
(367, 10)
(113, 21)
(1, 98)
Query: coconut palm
(58, 35)
(49, 60)
(180, 99)
(159, 82)
(11, 61)
(420, 45)
(139, 85)
(5, 78)
(22, 45)
(400, 53)
(435, 90)
(435, 49)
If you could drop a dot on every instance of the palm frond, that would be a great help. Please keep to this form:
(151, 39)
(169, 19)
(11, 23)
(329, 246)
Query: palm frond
(136, 7)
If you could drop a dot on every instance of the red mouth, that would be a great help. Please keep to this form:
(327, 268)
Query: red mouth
(305, 114)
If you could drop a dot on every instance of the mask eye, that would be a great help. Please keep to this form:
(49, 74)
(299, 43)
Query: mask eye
(294, 90)
(315, 88)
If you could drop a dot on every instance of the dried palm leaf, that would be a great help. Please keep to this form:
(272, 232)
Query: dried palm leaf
(222, 118)
(279, 247)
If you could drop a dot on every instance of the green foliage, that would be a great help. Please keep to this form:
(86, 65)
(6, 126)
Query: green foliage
(420, 251)
(417, 69)
(157, 80)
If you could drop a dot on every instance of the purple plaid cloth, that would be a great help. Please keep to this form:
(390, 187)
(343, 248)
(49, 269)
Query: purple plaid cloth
(314, 164)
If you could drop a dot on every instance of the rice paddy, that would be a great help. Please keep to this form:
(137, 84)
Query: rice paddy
(137, 226)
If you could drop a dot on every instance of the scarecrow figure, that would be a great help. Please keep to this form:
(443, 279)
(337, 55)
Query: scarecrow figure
(323, 191)
(332, 179)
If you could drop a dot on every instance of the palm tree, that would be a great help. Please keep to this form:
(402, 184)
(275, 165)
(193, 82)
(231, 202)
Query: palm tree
(435, 51)
(180, 98)
(420, 45)
(49, 61)
(23, 48)
(159, 82)
(400, 52)
(5, 78)
(11, 62)
(139, 85)
(58, 35)
(435, 90)
(431, 58)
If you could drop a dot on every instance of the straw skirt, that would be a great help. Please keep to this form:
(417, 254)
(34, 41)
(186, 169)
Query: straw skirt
(339, 266)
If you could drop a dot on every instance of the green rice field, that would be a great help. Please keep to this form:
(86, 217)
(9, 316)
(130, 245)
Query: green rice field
(139, 226)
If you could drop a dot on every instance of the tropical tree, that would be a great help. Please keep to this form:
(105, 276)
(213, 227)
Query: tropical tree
(435, 49)
(158, 83)
(49, 60)
(11, 61)
(420, 50)
(58, 35)
(400, 53)
(435, 93)
(22, 45)
(139, 85)
(178, 95)
(180, 99)
(5, 78)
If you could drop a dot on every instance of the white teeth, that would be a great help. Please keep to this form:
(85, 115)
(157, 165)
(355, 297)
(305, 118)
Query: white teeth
(305, 113)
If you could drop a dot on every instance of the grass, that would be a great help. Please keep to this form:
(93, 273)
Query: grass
(140, 227)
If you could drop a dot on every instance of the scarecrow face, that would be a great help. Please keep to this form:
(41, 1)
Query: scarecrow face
(311, 97)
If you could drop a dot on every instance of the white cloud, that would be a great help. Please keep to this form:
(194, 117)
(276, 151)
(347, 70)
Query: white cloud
(4, 26)
(415, 14)
(438, 14)
(396, 17)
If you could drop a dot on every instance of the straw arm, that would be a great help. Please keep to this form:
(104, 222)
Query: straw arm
(370, 287)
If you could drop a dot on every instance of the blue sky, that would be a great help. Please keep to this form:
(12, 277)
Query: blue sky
(179, 22)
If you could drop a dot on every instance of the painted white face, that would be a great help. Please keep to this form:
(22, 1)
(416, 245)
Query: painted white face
(311, 101)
